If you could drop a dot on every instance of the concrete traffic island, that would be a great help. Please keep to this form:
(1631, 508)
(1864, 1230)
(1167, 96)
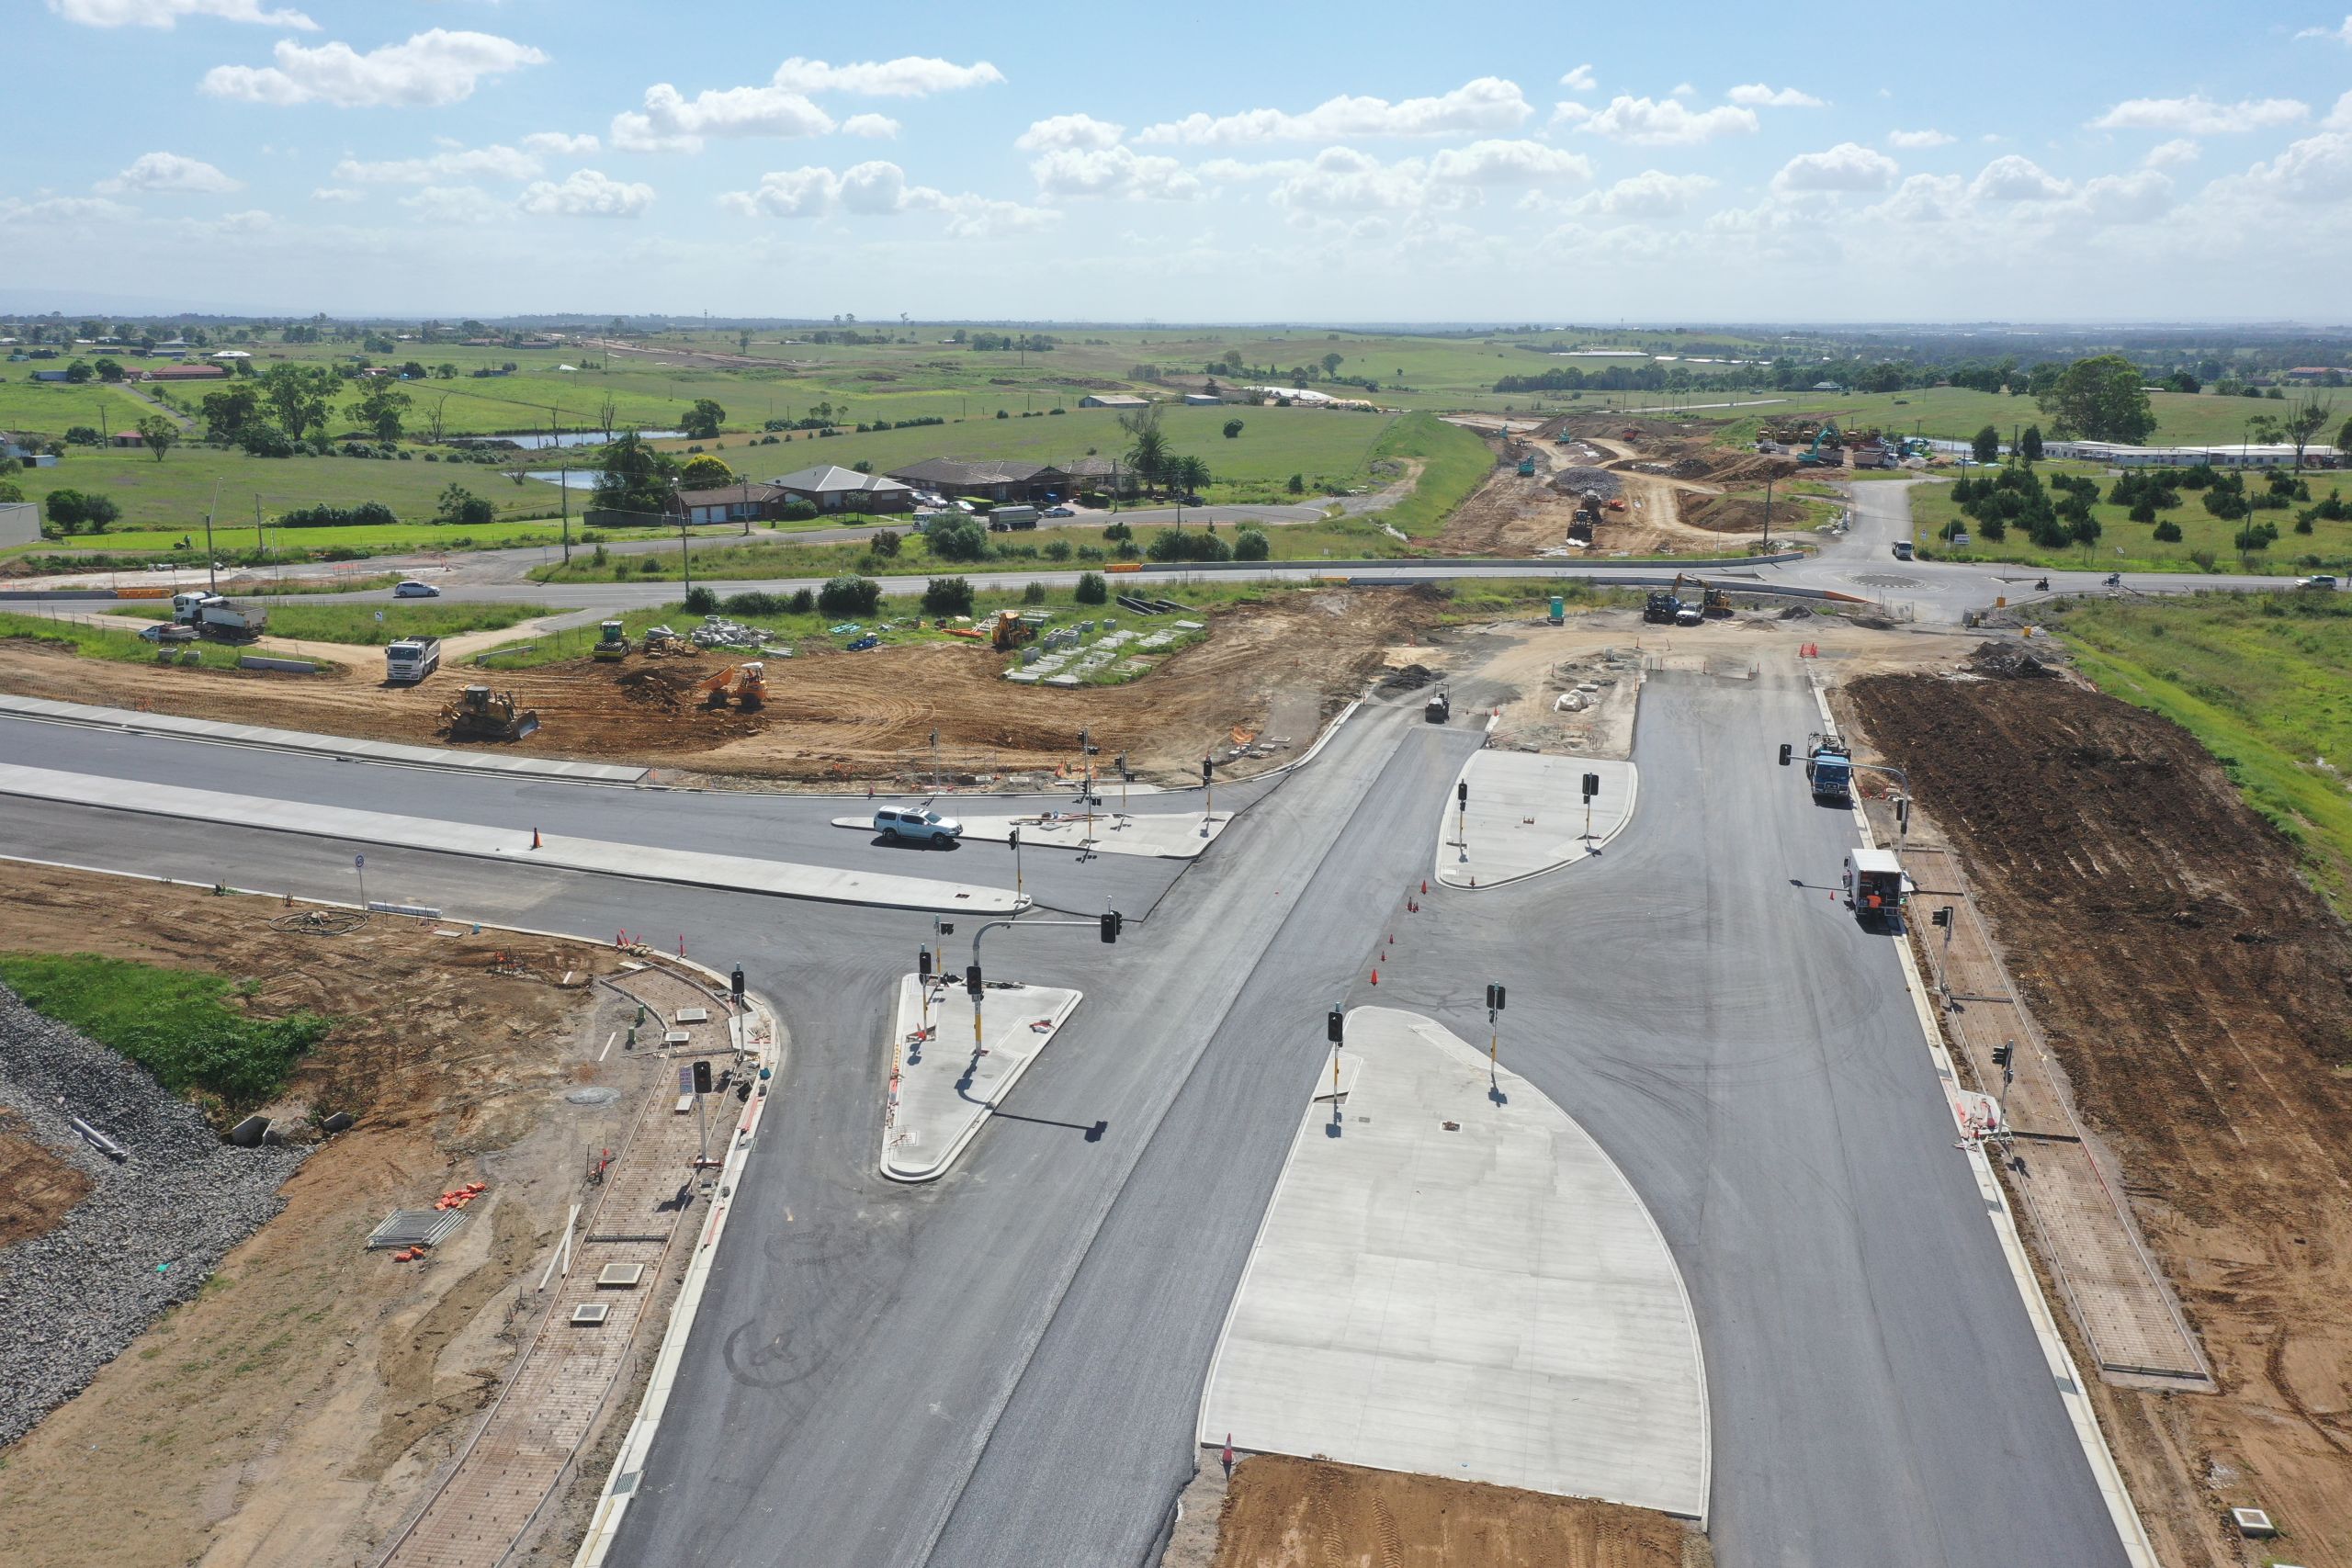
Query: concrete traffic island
(1453, 1280)
(1158, 835)
(941, 1092)
(555, 852)
(1526, 816)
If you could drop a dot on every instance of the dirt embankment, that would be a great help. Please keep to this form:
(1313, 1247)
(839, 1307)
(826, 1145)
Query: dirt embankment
(1276, 668)
(2198, 994)
(1294, 1513)
(35, 1187)
(288, 1414)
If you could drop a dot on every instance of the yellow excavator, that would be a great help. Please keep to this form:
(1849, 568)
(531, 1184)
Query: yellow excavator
(747, 684)
(480, 714)
(1711, 599)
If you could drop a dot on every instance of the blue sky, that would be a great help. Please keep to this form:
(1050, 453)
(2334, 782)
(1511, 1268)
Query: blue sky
(1268, 162)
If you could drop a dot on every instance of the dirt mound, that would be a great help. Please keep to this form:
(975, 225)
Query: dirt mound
(1726, 514)
(2195, 989)
(2006, 661)
(654, 685)
(1409, 678)
(1796, 613)
(36, 1189)
(1588, 481)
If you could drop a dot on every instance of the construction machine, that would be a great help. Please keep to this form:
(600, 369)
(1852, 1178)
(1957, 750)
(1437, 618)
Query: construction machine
(1527, 466)
(1712, 601)
(480, 714)
(211, 616)
(746, 682)
(1827, 451)
(1011, 632)
(612, 642)
(1661, 607)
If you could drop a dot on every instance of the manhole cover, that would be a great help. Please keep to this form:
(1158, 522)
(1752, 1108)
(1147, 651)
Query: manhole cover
(1884, 580)
(592, 1096)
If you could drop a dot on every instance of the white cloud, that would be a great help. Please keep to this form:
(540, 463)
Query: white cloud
(1648, 122)
(1112, 172)
(1683, 90)
(560, 144)
(909, 77)
(433, 68)
(880, 127)
(1924, 198)
(1489, 103)
(1509, 163)
(1652, 193)
(463, 205)
(2199, 116)
(1344, 179)
(585, 192)
(2138, 198)
(1567, 112)
(166, 13)
(1913, 139)
(61, 209)
(2013, 178)
(674, 123)
(1068, 130)
(1848, 166)
(497, 161)
(170, 171)
(2340, 117)
(1755, 94)
(878, 189)
(2172, 154)
(2314, 170)
(337, 193)
(1579, 80)
(2342, 35)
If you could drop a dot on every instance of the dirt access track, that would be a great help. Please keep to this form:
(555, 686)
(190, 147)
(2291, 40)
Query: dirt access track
(1275, 668)
(1672, 480)
(288, 1414)
(2195, 991)
(1280, 1512)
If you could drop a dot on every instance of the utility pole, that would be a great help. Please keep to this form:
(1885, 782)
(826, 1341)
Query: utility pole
(1461, 816)
(1208, 789)
(211, 567)
(685, 557)
(1335, 1029)
(935, 761)
(563, 481)
(1767, 516)
(1016, 863)
(1494, 1028)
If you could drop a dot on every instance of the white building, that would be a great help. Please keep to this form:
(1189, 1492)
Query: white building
(2237, 455)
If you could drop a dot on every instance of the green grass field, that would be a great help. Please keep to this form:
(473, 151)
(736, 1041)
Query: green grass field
(2126, 546)
(358, 625)
(2264, 681)
(50, 409)
(1957, 413)
(184, 1026)
(1453, 463)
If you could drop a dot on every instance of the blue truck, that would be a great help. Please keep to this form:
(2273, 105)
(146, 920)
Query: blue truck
(1829, 768)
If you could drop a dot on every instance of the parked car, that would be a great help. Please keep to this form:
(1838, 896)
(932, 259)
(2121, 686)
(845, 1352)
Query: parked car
(916, 823)
(166, 631)
(413, 589)
(1191, 501)
(2323, 580)
(1059, 512)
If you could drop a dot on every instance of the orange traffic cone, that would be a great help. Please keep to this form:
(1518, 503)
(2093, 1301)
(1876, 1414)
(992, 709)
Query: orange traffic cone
(1425, 886)
(1376, 975)
(535, 838)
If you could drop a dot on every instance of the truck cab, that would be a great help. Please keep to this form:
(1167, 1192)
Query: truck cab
(1829, 768)
(1902, 549)
(411, 658)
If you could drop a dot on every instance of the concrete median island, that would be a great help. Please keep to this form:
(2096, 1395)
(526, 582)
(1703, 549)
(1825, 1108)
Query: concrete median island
(1526, 816)
(941, 1090)
(1158, 835)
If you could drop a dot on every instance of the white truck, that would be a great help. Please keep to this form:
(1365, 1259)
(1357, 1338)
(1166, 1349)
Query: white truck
(214, 616)
(1009, 517)
(412, 659)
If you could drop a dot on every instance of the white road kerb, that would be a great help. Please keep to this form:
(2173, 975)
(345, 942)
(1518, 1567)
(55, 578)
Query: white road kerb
(940, 1093)
(1526, 816)
(520, 845)
(1162, 835)
(1457, 1280)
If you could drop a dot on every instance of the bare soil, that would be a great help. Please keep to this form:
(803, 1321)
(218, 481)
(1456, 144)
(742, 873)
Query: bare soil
(291, 1413)
(36, 1189)
(2199, 995)
(1294, 1513)
(1277, 667)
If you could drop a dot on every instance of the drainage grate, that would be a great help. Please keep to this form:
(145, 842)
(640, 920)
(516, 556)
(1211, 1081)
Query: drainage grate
(414, 1227)
(591, 1314)
(620, 1276)
(694, 1015)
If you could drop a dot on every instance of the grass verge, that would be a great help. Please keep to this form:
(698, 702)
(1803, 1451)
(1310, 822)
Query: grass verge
(1453, 463)
(2261, 681)
(372, 626)
(179, 1024)
(110, 642)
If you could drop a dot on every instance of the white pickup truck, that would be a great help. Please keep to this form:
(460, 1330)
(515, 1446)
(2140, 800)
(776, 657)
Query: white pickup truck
(411, 658)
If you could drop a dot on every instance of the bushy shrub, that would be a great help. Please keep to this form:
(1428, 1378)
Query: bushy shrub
(846, 596)
(796, 511)
(757, 604)
(1091, 589)
(1034, 593)
(1249, 544)
(802, 603)
(958, 541)
(701, 601)
(1188, 544)
(947, 596)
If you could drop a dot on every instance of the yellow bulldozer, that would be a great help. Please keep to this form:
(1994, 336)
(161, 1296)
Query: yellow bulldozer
(480, 714)
(747, 684)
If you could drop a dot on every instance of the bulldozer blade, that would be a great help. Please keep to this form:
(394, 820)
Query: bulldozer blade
(526, 724)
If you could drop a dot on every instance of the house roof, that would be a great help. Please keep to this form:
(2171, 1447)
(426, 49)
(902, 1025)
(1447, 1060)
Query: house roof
(1095, 468)
(728, 495)
(827, 478)
(955, 471)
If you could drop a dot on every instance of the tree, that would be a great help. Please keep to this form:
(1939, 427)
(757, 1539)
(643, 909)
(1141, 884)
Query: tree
(302, 396)
(846, 596)
(1331, 362)
(460, 504)
(435, 419)
(1190, 473)
(227, 412)
(2167, 533)
(965, 541)
(885, 543)
(11, 492)
(1148, 451)
(2255, 536)
(703, 420)
(160, 435)
(2099, 399)
(2303, 423)
(1091, 589)
(444, 371)
(1295, 484)
(2183, 381)
(635, 478)
(1986, 447)
(2029, 444)
(1249, 544)
(1232, 429)
(704, 473)
(947, 596)
(63, 508)
(379, 408)
(2262, 430)
(78, 372)
(109, 370)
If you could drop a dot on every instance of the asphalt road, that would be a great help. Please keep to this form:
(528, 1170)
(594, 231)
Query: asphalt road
(1003, 1367)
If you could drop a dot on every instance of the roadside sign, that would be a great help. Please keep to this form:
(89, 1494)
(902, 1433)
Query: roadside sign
(359, 863)
(685, 1078)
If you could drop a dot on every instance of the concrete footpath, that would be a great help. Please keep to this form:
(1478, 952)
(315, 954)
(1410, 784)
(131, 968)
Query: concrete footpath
(1159, 835)
(323, 745)
(1453, 1280)
(645, 863)
(1526, 816)
(940, 1091)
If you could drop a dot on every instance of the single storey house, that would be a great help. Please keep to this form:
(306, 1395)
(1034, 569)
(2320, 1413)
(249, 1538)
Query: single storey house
(831, 488)
(1034, 484)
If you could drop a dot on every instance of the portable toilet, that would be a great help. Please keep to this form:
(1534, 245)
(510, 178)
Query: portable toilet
(1559, 610)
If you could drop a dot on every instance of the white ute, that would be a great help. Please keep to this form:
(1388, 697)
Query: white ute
(917, 823)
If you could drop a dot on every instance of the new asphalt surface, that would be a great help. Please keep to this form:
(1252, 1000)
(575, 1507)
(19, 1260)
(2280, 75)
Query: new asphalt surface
(1003, 1368)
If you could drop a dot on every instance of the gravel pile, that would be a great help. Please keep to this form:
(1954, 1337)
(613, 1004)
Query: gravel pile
(1601, 483)
(146, 1236)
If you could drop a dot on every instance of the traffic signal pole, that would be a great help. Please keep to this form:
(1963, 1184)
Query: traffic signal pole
(1108, 923)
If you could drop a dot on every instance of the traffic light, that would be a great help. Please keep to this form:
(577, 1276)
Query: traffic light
(1494, 998)
(972, 978)
(1462, 792)
(1902, 811)
(1335, 1026)
(702, 1077)
(1124, 772)
(1014, 841)
(1111, 921)
(1942, 917)
(1205, 765)
(1592, 785)
(2003, 1052)
(923, 962)
(1784, 753)
(736, 981)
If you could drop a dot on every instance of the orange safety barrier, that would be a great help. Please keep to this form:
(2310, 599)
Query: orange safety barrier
(142, 592)
(1125, 566)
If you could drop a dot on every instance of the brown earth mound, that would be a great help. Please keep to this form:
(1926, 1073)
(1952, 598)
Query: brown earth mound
(36, 1189)
(2198, 994)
